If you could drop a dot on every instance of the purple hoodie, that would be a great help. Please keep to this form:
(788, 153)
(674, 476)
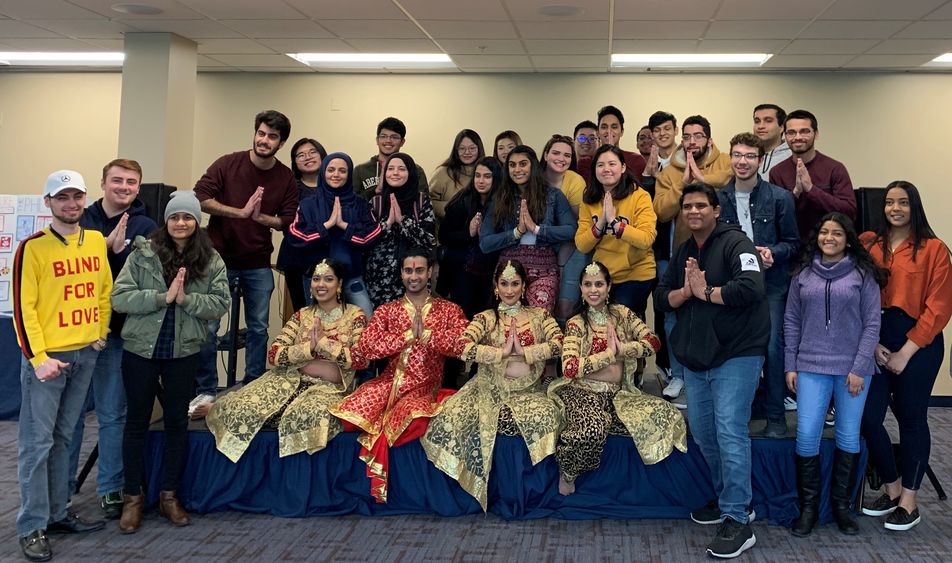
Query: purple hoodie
(831, 324)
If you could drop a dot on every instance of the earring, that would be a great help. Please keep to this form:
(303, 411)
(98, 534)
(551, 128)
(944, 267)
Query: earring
(338, 295)
(496, 292)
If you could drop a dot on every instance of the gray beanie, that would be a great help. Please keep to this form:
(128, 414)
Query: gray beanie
(184, 202)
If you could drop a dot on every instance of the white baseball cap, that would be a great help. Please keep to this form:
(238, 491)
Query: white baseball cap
(63, 180)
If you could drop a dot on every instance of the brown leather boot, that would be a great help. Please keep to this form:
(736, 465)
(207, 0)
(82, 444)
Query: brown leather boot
(131, 513)
(171, 508)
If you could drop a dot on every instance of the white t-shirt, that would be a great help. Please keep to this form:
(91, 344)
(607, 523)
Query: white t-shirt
(743, 213)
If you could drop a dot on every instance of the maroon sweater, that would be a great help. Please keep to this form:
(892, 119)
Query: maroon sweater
(832, 190)
(232, 179)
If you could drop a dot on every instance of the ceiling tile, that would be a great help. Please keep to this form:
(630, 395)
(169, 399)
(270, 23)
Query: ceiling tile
(889, 61)
(741, 45)
(394, 45)
(564, 30)
(482, 46)
(881, 9)
(567, 46)
(658, 46)
(828, 46)
(912, 46)
(49, 44)
(300, 45)
(190, 29)
(943, 13)
(244, 61)
(491, 61)
(659, 29)
(269, 69)
(927, 30)
(495, 70)
(243, 9)
(45, 10)
(232, 47)
(106, 44)
(101, 29)
(767, 29)
(601, 62)
(350, 10)
(171, 9)
(806, 61)
(455, 9)
(463, 29)
(665, 10)
(852, 29)
(527, 10)
(204, 61)
(11, 28)
(368, 29)
(771, 9)
(278, 28)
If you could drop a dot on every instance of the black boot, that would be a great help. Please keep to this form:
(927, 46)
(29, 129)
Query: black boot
(843, 465)
(808, 489)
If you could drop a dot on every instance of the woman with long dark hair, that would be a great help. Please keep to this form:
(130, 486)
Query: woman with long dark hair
(172, 284)
(917, 304)
(306, 157)
(405, 216)
(503, 145)
(527, 220)
(314, 360)
(598, 393)
(834, 297)
(511, 344)
(456, 172)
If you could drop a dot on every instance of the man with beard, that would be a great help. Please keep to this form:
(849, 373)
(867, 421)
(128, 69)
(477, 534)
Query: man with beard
(765, 213)
(768, 126)
(61, 287)
(697, 160)
(819, 183)
(414, 333)
(391, 136)
(715, 286)
(247, 195)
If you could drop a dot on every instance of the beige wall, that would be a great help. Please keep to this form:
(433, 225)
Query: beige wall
(882, 126)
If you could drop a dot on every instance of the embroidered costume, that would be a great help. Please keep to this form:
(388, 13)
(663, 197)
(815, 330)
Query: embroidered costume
(385, 406)
(295, 402)
(460, 440)
(594, 409)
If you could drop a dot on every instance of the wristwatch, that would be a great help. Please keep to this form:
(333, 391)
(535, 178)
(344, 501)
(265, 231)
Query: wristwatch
(707, 293)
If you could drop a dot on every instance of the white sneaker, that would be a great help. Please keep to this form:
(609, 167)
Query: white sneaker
(789, 404)
(202, 399)
(674, 388)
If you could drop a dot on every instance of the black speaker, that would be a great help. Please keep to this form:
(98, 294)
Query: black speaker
(155, 197)
(869, 208)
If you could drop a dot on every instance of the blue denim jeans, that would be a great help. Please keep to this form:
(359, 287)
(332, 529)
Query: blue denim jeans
(774, 383)
(634, 295)
(718, 411)
(256, 287)
(677, 370)
(571, 272)
(107, 395)
(48, 413)
(813, 397)
(355, 291)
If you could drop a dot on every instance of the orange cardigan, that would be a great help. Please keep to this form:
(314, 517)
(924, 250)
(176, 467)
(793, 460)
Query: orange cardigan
(923, 289)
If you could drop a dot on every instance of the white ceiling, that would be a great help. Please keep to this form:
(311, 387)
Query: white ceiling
(502, 35)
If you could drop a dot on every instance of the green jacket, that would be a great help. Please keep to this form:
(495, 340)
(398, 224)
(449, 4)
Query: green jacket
(140, 292)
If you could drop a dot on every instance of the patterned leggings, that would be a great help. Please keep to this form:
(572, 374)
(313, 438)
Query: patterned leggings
(590, 417)
(542, 269)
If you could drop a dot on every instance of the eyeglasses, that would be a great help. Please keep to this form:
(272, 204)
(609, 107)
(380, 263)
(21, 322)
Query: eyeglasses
(306, 155)
(586, 138)
(798, 132)
(695, 136)
(745, 155)
(645, 138)
(466, 150)
(394, 138)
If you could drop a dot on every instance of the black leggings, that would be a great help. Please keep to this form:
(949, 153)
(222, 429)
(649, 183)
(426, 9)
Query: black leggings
(141, 378)
(908, 394)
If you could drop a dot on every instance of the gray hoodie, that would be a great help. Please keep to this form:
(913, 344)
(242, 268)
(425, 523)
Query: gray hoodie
(773, 158)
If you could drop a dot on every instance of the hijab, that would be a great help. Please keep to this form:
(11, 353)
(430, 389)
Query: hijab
(408, 194)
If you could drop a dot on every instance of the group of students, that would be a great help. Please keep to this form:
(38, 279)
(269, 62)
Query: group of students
(566, 265)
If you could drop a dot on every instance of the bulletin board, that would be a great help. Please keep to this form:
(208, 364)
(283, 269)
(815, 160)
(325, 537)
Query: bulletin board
(20, 217)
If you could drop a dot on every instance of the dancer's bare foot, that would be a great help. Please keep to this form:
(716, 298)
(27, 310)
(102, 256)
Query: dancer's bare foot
(566, 487)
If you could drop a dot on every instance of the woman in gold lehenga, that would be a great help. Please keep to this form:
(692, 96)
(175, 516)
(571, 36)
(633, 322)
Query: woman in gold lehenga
(597, 393)
(315, 359)
(511, 345)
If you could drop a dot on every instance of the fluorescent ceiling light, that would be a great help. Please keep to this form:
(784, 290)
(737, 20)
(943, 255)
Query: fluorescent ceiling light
(25, 58)
(374, 60)
(942, 60)
(689, 60)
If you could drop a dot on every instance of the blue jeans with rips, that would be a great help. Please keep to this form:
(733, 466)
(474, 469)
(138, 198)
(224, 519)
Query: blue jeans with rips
(48, 413)
(718, 411)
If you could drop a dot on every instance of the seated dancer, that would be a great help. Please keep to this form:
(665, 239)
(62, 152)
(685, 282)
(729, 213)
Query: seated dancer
(511, 344)
(314, 359)
(598, 392)
(415, 333)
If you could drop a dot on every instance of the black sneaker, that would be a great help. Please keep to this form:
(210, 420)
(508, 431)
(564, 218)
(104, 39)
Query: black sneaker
(111, 504)
(901, 520)
(73, 524)
(710, 514)
(881, 506)
(732, 539)
(36, 546)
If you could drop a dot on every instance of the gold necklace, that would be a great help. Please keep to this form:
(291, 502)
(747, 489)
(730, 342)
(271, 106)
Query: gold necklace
(331, 316)
(598, 318)
(511, 310)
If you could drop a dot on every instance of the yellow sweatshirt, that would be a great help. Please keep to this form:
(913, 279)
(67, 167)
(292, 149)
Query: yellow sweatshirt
(629, 257)
(61, 288)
